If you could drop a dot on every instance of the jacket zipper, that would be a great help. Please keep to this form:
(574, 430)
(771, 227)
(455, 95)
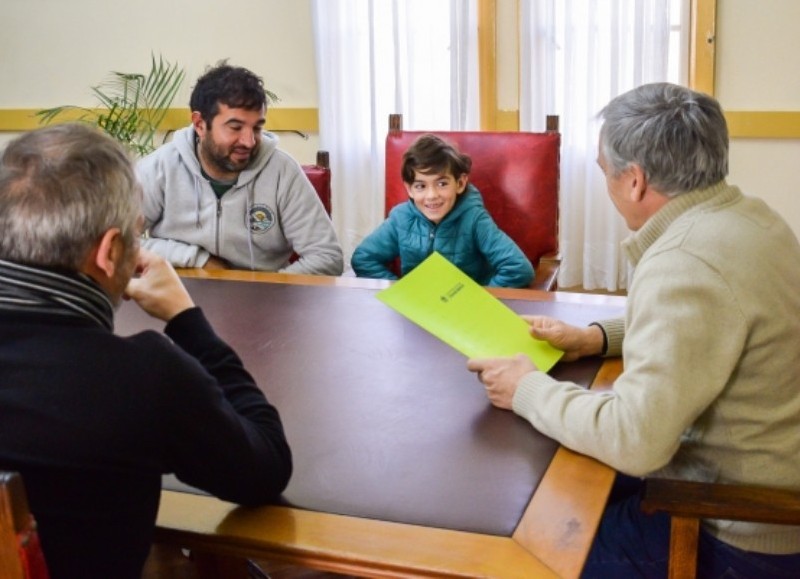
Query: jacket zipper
(431, 239)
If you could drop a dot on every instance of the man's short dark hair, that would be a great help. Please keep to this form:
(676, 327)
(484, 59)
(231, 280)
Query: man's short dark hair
(233, 86)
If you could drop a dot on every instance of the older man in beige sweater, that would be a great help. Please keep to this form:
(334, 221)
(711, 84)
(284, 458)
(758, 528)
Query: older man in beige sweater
(711, 385)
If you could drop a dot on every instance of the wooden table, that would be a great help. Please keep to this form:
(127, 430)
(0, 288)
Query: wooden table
(551, 538)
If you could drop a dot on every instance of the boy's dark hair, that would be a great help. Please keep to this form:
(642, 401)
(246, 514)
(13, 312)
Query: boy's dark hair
(232, 86)
(431, 154)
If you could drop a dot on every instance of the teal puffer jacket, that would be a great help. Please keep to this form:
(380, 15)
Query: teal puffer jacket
(467, 236)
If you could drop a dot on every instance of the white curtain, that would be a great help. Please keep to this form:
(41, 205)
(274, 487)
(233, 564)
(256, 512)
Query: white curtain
(377, 57)
(576, 55)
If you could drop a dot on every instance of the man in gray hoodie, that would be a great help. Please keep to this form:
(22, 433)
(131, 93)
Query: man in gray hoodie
(221, 194)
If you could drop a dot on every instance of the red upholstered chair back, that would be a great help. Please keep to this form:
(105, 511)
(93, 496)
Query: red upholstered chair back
(517, 174)
(21, 555)
(320, 177)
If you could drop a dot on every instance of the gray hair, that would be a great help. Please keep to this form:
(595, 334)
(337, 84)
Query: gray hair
(676, 135)
(61, 188)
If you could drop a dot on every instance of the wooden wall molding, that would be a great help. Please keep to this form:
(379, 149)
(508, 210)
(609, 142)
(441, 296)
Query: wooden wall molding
(763, 124)
(305, 120)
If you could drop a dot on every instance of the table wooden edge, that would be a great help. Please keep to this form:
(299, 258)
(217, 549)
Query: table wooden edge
(561, 520)
(338, 543)
(552, 539)
(378, 284)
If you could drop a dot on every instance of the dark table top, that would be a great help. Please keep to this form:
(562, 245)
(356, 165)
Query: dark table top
(384, 420)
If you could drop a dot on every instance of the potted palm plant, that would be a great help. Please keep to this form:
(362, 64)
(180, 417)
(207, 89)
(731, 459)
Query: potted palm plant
(132, 105)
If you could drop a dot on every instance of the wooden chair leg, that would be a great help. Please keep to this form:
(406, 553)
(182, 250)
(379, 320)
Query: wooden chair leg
(684, 536)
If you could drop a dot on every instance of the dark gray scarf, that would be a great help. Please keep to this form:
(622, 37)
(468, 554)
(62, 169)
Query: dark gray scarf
(28, 288)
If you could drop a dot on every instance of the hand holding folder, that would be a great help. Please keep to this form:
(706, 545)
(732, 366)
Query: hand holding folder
(443, 300)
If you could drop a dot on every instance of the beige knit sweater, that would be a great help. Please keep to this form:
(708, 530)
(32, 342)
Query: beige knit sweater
(711, 386)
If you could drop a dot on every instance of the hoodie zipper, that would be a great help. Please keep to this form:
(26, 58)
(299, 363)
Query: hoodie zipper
(219, 216)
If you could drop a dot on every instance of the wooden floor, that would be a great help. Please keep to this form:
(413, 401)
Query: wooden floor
(167, 562)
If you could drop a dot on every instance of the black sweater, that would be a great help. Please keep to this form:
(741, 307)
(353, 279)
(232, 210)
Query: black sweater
(92, 420)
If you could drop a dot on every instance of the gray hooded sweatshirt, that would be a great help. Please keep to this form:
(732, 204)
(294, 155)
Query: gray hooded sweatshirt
(271, 213)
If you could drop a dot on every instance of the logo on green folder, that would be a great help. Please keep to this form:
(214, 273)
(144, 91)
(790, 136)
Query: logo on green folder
(452, 292)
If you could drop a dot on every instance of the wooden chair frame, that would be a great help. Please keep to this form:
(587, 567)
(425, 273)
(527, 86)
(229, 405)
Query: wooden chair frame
(21, 556)
(688, 502)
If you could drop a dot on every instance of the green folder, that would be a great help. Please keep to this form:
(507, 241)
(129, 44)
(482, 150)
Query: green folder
(446, 302)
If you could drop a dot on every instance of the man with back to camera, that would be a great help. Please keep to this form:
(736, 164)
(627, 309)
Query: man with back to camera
(221, 194)
(91, 419)
(710, 387)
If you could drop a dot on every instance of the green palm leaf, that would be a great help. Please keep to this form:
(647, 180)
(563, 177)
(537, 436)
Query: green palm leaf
(131, 107)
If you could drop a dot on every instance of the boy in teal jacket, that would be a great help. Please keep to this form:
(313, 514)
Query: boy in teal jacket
(444, 213)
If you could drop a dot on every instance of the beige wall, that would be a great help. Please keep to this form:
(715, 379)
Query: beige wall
(757, 64)
(52, 51)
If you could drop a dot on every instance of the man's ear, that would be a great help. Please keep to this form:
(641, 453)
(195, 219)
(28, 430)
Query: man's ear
(107, 253)
(637, 182)
(198, 123)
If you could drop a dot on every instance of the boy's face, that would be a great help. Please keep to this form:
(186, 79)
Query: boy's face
(435, 194)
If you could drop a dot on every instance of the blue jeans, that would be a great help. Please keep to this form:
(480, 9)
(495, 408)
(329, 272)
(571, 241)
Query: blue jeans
(632, 544)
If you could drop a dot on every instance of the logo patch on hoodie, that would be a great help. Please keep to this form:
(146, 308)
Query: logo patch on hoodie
(261, 218)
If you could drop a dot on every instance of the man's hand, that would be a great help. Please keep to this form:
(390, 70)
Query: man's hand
(500, 376)
(158, 290)
(215, 262)
(575, 342)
